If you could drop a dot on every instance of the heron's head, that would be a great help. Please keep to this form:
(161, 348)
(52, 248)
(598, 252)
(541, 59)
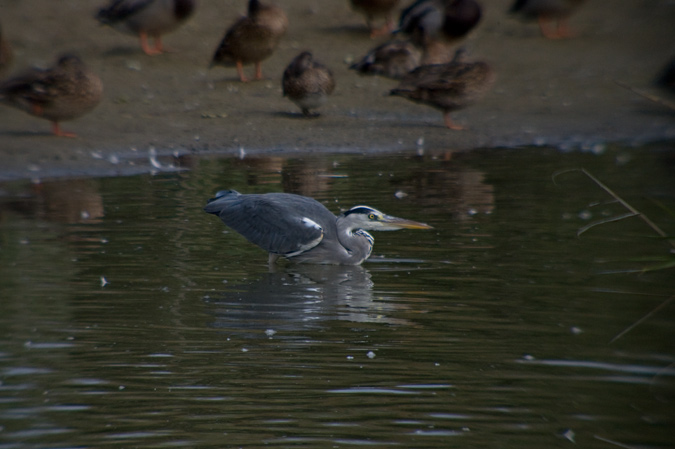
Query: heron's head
(365, 217)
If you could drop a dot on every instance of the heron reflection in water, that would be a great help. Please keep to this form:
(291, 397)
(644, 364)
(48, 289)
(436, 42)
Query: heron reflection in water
(301, 229)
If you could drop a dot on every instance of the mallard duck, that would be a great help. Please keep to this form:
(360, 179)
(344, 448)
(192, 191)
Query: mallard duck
(435, 24)
(307, 83)
(6, 53)
(447, 87)
(146, 18)
(373, 9)
(547, 12)
(427, 20)
(64, 92)
(393, 59)
(252, 38)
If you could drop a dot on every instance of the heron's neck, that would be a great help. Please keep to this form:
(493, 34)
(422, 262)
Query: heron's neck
(357, 242)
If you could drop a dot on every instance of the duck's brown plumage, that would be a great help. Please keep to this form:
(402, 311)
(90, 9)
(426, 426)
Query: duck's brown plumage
(547, 12)
(64, 92)
(307, 82)
(374, 9)
(393, 59)
(447, 87)
(147, 18)
(252, 38)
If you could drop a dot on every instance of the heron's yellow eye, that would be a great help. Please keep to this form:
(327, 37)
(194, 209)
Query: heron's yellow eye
(371, 216)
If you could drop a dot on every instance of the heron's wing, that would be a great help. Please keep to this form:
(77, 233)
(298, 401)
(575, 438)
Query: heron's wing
(277, 227)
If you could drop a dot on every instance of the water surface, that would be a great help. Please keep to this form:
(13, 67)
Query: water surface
(130, 318)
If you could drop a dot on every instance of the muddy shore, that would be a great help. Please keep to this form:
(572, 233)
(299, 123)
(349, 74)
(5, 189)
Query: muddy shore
(556, 93)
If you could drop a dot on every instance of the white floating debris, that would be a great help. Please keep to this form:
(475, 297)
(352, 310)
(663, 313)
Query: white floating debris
(569, 434)
(113, 159)
(585, 215)
(576, 330)
(270, 332)
(400, 194)
(242, 153)
(370, 354)
(350, 357)
(104, 281)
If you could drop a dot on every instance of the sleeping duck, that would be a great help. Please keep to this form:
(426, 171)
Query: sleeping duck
(307, 82)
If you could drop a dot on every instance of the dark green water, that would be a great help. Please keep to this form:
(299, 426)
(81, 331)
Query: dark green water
(130, 318)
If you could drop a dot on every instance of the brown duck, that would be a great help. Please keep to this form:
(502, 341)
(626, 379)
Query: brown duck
(64, 92)
(147, 18)
(547, 12)
(252, 38)
(393, 59)
(447, 87)
(307, 83)
(374, 9)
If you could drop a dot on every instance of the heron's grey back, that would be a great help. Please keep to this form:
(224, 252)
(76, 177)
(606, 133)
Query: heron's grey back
(274, 221)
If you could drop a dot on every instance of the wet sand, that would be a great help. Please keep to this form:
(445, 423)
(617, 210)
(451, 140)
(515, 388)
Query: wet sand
(556, 93)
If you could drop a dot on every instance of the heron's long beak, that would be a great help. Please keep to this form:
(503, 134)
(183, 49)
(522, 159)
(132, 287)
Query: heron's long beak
(393, 223)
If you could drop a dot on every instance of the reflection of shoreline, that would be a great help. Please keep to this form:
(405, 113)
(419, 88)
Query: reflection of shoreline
(440, 186)
(300, 296)
(64, 201)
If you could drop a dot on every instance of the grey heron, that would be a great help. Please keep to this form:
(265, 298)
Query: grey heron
(303, 230)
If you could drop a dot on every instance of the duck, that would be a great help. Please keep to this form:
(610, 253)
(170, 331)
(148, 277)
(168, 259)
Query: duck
(252, 38)
(373, 9)
(435, 24)
(307, 82)
(546, 12)
(393, 59)
(147, 18)
(6, 53)
(448, 87)
(66, 91)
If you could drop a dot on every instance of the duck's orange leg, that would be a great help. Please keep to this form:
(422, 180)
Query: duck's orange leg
(564, 30)
(450, 124)
(384, 30)
(159, 47)
(258, 70)
(550, 31)
(240, 72)
(546, 27)
(57, 131)
(143, 36)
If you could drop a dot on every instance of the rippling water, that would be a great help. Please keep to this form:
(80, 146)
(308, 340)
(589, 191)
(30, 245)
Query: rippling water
(130, 318)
